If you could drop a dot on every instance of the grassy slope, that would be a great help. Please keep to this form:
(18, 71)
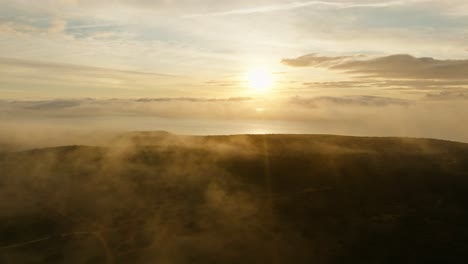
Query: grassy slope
(158, 198)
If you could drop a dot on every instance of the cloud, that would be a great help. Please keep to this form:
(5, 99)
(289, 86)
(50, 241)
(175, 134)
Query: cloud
(11, 62)
(347, 115)
(392, 84)
(296, 5)
(317, 61)
(407, 66)
(162, 107)
(57, 26)
(448, 95)
(400, 66)
(193, 108)
(58, 80)
(193, 99)
(52, 104)
(9, 27)
(447, 79)
(211, 7)
(361, 100)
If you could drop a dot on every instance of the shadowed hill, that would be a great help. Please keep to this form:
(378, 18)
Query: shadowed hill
(161, 198)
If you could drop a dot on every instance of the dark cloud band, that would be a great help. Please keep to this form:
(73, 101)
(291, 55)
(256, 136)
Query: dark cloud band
(400, 66)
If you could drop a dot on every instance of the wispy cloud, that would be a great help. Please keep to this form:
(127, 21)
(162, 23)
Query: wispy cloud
(359, 100)
(57, 26)
(448, 95)
(319, 61)
(89, 26)
(61, 79)
(296, 5)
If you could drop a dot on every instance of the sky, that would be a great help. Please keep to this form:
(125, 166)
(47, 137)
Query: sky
(402, 64)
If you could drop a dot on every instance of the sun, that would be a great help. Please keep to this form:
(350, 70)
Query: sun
(259, 79)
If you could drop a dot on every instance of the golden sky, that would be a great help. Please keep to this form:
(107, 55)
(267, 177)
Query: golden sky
(143, 48)
(254, 59)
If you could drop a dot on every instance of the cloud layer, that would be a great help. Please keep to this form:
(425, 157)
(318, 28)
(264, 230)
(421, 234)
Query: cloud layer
(399, 66)
(434, 116)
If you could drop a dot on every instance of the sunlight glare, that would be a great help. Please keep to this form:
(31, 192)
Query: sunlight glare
(260, 79)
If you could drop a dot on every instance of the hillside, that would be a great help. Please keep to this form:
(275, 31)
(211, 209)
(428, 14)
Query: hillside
(161, 198)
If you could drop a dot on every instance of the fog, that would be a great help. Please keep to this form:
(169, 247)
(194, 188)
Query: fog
(157, 197)
(78, 121)
(80, 185)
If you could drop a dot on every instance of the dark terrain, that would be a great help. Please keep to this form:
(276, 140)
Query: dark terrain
(160, 198)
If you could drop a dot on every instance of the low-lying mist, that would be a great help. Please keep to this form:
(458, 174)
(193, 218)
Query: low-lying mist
(155, 197)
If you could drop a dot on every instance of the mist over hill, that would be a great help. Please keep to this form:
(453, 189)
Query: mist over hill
(155, 197)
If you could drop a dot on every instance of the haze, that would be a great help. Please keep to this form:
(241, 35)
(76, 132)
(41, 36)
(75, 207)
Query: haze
(377, 68)
(233, 131)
